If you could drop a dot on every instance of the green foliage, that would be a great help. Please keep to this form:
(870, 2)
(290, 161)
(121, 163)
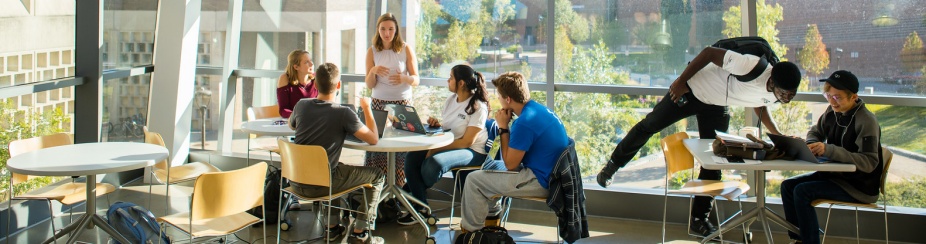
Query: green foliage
(913, 55)
(908, 192)
(576, 27)
(19, 124)
(768, 17)
(902, 126)
(813, 57)
(463, 44)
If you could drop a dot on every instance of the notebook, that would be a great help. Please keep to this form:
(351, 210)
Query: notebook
(795, 147)
(406, 118)
(490, 157)
(379, 116)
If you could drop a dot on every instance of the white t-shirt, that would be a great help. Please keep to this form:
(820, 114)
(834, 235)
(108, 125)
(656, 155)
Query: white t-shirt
(455, 118)
(714, 85)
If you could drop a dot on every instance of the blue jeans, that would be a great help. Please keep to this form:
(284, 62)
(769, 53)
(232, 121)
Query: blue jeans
(421, 173)
(796, 195)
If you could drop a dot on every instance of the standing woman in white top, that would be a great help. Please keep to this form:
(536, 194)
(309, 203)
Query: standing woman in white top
(465, 114)
(392, 71)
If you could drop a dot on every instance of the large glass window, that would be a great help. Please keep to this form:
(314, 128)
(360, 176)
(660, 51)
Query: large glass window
(493, 36)
(125, 108)
(28, 56)
(128, 33)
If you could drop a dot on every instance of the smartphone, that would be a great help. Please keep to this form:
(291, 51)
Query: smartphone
(682, 101)
(735, 160)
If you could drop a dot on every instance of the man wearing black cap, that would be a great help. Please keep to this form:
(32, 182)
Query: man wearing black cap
(704, 89)
(847, 132)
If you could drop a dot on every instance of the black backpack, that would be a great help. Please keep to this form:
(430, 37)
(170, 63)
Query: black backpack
(271, 196)
(135, 223)
(753, 45)
(486, 235)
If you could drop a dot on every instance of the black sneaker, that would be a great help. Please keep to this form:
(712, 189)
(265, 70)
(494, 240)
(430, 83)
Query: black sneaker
(364, 238)
(335, 233)
(408, 219)
(702, 227)
(607, 173)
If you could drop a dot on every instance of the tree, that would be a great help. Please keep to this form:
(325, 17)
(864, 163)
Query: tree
(768, 17)
(912, 55)
(21, 124)
(575, 26)
(813, 57)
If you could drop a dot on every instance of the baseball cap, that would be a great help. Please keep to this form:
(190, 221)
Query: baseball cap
(843, 80)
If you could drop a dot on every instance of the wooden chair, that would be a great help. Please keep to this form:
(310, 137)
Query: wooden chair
(67, 193)
(887, 157)
(678, 159)
(309, 165)
(220, 201)
(265, 112)
(164, 174)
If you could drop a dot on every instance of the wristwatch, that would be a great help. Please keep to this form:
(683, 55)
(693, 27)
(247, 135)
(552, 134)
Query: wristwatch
(503, 131)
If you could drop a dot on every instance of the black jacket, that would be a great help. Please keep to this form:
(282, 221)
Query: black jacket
(567, 198)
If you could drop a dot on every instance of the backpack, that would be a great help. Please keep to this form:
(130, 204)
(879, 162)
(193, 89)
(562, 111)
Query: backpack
(135, 223)
(753, 45)
(271, 196)
(486, 235)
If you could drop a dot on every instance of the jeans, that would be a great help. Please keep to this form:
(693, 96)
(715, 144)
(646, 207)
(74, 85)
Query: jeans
(798, 192)
(344, 177)
(664, 114)
(421, 173)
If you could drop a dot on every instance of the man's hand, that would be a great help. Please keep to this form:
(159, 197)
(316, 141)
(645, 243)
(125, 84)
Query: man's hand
(818, 148)
(677, 89)
(365, 103)
(503, 116)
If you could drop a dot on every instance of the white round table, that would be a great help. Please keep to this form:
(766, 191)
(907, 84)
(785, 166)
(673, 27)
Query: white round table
(266, 127)
(87, 159)
(403, 141)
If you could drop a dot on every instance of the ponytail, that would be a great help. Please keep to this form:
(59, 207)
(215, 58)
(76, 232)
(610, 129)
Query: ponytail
(478, 87)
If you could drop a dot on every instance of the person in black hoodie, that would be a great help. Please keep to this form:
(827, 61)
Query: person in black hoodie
(847, 133)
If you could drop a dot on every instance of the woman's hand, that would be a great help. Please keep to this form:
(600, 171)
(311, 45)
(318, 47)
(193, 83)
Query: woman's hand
(397, 79)
(380, 71)
(433, 122)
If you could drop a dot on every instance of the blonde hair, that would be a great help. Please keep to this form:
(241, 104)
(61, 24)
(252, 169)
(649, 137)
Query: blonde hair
(512, 85)
(397, 42)
(291, 75)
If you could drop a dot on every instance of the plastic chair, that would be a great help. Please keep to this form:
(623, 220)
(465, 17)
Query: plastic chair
(164, 174)
(888, 156)
(309, 165)
(66, 194)
(265, 112)
(220, 201)
(677, 159)
(491, 129)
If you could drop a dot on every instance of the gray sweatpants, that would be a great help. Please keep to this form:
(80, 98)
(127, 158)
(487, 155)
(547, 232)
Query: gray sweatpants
(344, 177)
(483, 191)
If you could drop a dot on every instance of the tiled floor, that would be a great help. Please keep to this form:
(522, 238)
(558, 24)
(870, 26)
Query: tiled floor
(524, 225)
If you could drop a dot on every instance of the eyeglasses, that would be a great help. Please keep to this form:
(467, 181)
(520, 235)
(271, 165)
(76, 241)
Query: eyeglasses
(835, 98)
(784, 96)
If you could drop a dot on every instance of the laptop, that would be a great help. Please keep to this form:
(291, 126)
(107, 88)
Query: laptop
(406, 118)
(795, 147)
(379, 116)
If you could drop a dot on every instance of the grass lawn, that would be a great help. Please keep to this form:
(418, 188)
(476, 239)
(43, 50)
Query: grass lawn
(903, 127)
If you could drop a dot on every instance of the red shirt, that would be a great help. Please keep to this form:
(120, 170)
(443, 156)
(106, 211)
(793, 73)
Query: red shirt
(289, 95)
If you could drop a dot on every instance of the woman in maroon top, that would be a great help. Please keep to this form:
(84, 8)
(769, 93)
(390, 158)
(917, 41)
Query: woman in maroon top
(296, 83)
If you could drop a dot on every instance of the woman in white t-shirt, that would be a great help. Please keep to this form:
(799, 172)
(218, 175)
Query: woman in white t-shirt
(465, 114)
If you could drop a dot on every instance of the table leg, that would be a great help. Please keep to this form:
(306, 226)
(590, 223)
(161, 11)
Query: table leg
(401, 195)
(89, 219)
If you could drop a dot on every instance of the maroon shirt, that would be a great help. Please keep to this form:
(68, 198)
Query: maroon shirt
(289, 95)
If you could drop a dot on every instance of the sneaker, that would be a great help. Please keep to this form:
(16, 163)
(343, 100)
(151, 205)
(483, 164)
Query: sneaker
(364, 238)
(408, 219)
(795, 242)
(607, 173)
(335, 233)
(702, 227)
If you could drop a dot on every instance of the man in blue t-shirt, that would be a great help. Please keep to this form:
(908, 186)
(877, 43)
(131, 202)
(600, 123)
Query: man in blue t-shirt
(529, 148)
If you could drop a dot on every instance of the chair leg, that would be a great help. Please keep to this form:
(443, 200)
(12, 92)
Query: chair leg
(856, 226)
(885, 223)
(826, 224)
(50, 218)
(717, 213)
(665, 202)
(745, 228)
(9, 212)
(453, 197)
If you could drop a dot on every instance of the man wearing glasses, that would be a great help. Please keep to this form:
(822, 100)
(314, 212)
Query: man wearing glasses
(849, 133)
(704, 89)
